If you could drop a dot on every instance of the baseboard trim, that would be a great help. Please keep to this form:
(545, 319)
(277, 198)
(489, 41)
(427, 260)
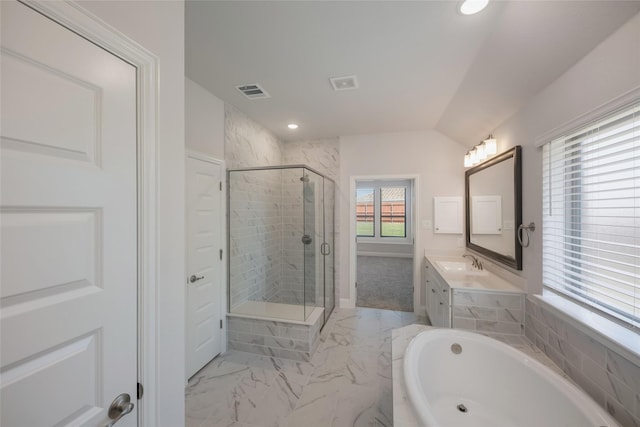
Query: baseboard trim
(386, 254)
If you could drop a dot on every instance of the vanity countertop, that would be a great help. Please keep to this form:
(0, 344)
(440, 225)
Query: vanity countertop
(460, 274)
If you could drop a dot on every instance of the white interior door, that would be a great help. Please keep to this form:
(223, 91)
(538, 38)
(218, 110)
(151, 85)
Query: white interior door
(204, 262)
(69, 226)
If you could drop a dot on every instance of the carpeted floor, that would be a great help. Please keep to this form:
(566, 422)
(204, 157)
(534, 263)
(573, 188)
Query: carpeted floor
(385, 282)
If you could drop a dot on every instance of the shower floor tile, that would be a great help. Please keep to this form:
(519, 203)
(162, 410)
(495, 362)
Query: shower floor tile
(346, 383)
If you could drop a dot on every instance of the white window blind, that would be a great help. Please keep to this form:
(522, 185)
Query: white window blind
(591, 215)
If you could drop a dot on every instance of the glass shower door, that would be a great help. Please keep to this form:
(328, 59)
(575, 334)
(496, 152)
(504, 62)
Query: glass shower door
(327, 249)
(312, 239)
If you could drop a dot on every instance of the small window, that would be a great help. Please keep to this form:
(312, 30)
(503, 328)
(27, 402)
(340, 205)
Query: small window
(393, 205)
(383, 211)
(365, 212)
(591, 211)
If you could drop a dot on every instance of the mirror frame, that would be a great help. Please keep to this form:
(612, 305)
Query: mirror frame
(516, 154)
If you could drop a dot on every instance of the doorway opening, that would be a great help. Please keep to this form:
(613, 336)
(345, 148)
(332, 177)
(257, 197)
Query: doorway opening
(384, 218)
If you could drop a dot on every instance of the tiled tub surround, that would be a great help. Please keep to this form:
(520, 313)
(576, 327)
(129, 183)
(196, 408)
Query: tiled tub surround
(610, 377)
(403, 414)
(347, 382)
(284, 339)
(488, 311)
(487, 303)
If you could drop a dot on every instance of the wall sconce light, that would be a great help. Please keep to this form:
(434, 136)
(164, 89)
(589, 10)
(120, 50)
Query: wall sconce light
(467, 160)
(481, 152)
(490, 145)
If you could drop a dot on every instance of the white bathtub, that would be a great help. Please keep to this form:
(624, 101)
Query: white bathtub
(488, 383)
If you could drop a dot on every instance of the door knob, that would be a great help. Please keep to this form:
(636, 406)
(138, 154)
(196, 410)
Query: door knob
(120, 407)
(195, 278)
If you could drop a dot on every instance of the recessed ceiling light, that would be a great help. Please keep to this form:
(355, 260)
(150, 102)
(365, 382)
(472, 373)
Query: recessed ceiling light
(469, 7)
(292, 126)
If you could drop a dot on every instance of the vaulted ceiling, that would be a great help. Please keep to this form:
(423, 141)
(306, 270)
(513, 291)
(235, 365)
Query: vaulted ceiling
(419, 64)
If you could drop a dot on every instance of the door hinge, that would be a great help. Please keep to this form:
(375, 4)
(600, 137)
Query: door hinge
(220, 185)
(220, 254)
(220, 323)
(140, 391)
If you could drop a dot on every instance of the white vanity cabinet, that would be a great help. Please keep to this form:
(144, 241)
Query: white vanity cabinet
(461, 296)
(438, 298)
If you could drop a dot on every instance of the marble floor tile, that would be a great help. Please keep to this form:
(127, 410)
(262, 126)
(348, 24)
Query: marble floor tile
(347, 382)
(357, 406)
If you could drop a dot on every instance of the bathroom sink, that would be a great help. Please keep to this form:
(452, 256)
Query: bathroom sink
(461, 267)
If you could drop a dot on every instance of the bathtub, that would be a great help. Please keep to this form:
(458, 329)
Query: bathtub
(463, 379)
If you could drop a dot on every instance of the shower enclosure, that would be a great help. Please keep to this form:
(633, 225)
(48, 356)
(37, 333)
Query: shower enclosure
(281, 238)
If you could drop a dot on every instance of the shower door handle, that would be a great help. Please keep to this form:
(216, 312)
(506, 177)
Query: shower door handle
(325, 249)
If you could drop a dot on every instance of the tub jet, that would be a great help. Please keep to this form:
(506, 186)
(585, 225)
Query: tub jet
(462, 408)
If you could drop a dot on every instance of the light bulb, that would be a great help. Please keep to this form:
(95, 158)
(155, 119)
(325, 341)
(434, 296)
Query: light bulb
(480, 152)
(490, 146)
(474, 157)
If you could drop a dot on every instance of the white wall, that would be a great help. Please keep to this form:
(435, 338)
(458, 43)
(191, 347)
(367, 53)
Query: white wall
(204, 121)
(159, 27)
(434, 158)
(610, 70)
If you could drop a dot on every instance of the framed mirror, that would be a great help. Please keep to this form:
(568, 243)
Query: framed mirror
(493, 199)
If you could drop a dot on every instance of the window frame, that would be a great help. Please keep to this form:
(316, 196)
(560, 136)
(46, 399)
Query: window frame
(377, 185)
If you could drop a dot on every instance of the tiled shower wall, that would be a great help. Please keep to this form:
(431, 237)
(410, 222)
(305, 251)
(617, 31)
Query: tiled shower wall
(255, 209)
(610, 378)
(322, 155)
(247, 144)
(268, 269)
(291, 291)
(270, 211)
(255, 215)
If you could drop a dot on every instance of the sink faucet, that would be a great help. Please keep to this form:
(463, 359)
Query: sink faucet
(476, 262)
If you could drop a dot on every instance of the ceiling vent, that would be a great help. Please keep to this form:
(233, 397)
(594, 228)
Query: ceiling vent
(344, 83)
(253, 91)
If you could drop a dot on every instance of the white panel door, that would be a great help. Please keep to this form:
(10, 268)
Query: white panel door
(68, 226)
(204, 263)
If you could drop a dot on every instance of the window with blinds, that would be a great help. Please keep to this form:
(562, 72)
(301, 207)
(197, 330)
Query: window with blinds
(591, 215)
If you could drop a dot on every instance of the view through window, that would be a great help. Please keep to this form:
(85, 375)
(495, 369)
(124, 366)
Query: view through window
(382, 210)
(591, 215)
